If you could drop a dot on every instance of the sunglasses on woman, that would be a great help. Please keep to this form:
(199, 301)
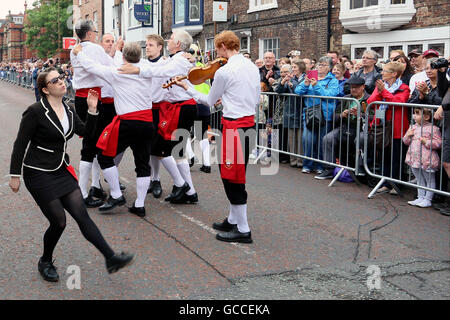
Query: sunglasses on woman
(55, 80)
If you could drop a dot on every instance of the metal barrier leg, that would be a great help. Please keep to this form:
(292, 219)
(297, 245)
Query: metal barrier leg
(336, 177)
(262, 152)
(383, 180)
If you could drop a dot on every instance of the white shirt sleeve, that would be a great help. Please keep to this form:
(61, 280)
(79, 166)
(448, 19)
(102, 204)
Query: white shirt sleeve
(104, 72)
(118, 58)
(172, 69)
(216, 92)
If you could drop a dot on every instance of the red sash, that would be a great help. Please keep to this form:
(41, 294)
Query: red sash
(108, 100)
(109, 138)
(72, 171)
(169, 116)
(156, 105)
(83, 93)
(232, 161)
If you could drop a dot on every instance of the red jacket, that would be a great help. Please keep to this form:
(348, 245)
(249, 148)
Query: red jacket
(401, 95)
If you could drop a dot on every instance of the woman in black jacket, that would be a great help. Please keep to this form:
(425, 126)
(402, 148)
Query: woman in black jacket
(46, 126)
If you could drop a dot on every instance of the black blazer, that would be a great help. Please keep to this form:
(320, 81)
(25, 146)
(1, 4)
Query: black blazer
(41, 128)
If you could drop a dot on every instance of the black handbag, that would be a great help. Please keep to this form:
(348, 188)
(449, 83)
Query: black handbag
(314, 117)
(376, 134)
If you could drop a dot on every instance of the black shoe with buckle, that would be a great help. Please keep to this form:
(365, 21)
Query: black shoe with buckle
(205, 169)
(235, 236)
(157, 190)
(112, 203)
(48, 271)
(97, 193)
(224, 226)
(92, 203)
(118, 261)
(140, 212)
(178, 192)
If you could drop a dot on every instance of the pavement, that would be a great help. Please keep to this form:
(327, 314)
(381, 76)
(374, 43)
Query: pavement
(311, 241)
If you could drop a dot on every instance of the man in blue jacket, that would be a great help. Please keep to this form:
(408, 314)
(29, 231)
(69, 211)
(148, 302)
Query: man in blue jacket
(39, 67)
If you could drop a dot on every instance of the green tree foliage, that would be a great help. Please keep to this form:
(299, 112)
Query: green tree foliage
(41, 27)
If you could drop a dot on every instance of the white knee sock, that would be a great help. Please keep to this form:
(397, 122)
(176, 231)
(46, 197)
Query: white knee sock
(142, 184)
(112, 177)
(185, 170)
(420, 182)
(232, 216)
(189, 151)
(204, 145)
(155, 164)
(171, 167)
(95, 175)
(240, 211)
(84, 172)
(118, 158)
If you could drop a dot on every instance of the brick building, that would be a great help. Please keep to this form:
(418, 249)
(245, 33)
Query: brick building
(276, 25)
(92, 10)
(12, 38)
(385, 25)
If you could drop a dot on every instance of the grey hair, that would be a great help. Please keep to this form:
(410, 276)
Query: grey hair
(132, 52)
(372, 53)
(430, 60)
(82, 27)
(327, 60)
(184, 38)
(288, 66)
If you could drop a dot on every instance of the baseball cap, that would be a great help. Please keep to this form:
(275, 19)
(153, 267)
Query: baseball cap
(431, 53)
(415, 52)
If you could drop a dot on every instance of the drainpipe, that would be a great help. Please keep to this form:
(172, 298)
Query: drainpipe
(329, 25)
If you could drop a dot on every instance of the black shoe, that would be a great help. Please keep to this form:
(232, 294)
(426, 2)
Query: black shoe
(122, 187)
(205, 169)
(48, 271)
(97, 193)
(440, 205)
(118, 261)
(157, 190)
(235, 236)
(445, 211)
(193, 198)
(224, 226)
(326, 174)
(178, 192)
(112, 203)
(140, 212)
(191, 162)
(92, 203)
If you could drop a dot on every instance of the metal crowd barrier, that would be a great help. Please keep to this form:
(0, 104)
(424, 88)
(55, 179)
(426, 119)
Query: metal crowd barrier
(289, 135)
(384, 156)
(23, 79)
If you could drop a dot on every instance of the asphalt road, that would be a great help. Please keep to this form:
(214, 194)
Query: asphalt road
(310, 241)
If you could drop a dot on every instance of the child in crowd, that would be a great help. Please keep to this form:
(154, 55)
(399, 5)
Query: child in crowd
(423, 139)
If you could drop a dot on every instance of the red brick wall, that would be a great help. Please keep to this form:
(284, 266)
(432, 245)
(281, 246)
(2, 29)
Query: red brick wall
(88, 9)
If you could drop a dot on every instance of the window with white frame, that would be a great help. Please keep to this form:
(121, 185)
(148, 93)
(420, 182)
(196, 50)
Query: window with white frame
(245, 44)
(398, 1)
(259, 5)
(194, 10)
(356, 4)
(179, 9)
(272, 45)
(210, 48)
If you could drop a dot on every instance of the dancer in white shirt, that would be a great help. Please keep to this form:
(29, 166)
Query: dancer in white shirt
(237, 84)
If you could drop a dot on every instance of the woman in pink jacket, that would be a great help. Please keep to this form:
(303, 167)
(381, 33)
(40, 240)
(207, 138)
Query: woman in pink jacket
(423, 139)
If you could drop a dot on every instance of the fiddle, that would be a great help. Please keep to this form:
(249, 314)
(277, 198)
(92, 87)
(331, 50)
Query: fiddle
(198, 75)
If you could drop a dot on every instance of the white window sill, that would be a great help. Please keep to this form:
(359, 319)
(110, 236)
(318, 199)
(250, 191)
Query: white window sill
(262, 8)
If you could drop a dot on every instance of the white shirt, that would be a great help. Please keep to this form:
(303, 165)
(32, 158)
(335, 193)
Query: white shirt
(177, 65)
(238, 84)
(65, 122)
(130, 92)
(107, 90)
(83, 79)
(418, 77)
(158, 93)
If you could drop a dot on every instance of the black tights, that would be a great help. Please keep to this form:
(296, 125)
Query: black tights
(54, 212)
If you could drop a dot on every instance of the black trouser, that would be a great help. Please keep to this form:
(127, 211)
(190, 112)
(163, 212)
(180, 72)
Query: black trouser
(137, 135)
(89, 149)
(236, 192)
(392, 170)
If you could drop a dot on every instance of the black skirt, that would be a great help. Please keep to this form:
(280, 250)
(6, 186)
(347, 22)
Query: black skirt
(47, 186)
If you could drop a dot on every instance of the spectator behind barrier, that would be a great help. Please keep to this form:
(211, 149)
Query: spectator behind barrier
(422, 76)
(392, 89)
(326, 85)
(345, 132)
(408, 71)
(339, 71)
(426, 92)
(369, 72)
